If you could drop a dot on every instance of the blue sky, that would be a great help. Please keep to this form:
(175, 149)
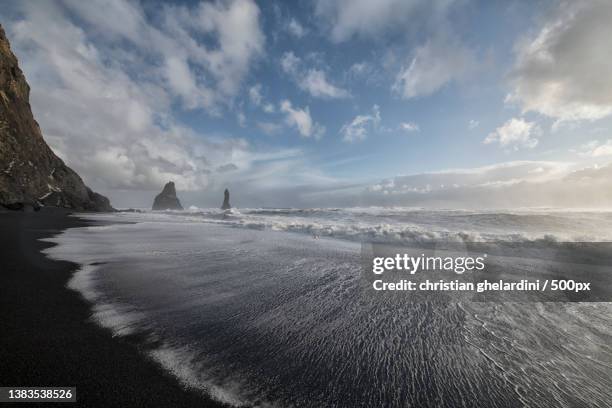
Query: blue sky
(325, 103)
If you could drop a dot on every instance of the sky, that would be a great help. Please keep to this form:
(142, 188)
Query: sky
(434, 103)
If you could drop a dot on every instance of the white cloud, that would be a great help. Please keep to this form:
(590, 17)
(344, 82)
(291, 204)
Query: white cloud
(563, 71)
(301, 120)
(367, 18)
(367, 73)
(503, 185)
(458, 182)
(357, 129)
(602, 150)
(316, 84)
(255, 94)
(313, 81)
(104, 85)
(471, 185)
(515, 133)
(409, 127)
(596, 149)
(434, 64)
(360, 69)
(258, 100)
(183, 84)
(290, 62)
(295, 28)
(236, 26)
(473, 124)
(201, 75)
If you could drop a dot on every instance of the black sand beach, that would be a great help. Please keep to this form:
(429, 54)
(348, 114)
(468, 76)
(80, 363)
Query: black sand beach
(47, 339)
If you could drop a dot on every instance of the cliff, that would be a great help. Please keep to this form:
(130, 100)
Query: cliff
(167, 199)
(226, 204)
(30, 173)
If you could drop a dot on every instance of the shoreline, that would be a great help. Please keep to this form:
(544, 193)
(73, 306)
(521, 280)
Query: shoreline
(48, 338)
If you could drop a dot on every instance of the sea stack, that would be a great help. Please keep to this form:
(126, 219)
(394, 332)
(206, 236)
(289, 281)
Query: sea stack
(31, 175)
(167, 199)
(226, 204)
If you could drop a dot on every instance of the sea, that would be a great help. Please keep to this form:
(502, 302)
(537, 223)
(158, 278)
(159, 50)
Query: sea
(266, 307)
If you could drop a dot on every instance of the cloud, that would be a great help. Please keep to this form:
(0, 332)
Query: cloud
(317, 85)
(409, 127)
(357, 129)
(295, 28)
(438, 62)
(301, 120)
(255, 94)
(258, 100)
(366, 73)
(203, 74)
(563, 71)
(596, 149)
(503, 185)
(604, 149)
(366, 18)
(515, 133)
(473, 124)
(362, 71)
(101, 88)
(516, 184)
(182, 82)
(235, 25)
(313, 81)
(290, 62)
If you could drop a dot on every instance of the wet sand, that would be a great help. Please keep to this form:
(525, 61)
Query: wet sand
(48, 339)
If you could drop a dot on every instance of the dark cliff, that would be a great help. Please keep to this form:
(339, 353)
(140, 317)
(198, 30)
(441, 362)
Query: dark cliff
(167, 199)
(226, 197)
(30, 173)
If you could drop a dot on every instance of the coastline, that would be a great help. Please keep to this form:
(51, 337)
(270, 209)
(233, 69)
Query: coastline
(48, 338)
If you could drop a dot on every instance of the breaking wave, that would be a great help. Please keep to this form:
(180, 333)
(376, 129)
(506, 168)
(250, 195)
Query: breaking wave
(406, 225)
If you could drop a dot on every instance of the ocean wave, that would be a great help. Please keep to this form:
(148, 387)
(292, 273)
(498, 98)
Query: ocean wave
(401, 225)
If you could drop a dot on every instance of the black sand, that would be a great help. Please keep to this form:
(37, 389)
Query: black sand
(47, 339)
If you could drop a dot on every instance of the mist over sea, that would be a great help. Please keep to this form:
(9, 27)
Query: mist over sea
(265, 307)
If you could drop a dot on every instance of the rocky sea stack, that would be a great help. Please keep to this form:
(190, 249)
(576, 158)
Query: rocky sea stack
(226, 204)
(31, 175)
(167, 199)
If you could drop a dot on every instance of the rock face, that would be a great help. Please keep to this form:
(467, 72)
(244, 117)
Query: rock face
(31, 175)
(167, 199)
(226, 204)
